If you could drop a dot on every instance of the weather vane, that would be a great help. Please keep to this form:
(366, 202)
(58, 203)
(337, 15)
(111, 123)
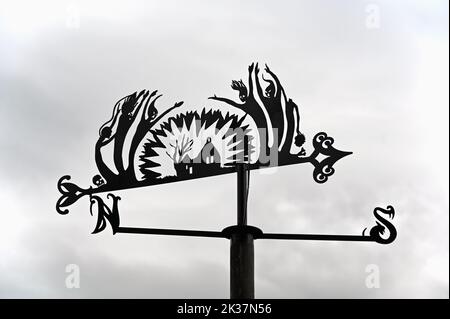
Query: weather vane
(139, 146)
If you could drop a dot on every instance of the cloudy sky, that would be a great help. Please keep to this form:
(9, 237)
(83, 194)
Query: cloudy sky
(374, 75)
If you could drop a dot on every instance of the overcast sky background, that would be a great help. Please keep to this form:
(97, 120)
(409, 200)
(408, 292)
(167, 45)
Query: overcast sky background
(381, 92)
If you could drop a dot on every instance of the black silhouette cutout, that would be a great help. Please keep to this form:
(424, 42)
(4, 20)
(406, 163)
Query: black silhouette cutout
(148, 149)
(376, 233)
(249, 104)
(105, 213)
(272, 100)
(126, 112)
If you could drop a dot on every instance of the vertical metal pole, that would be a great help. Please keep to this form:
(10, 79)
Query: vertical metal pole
(242, 184)
(242, 282)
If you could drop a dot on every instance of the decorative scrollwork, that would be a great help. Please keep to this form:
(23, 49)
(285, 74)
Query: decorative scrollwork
(382, 224)
(70, 194)
(104, 213)
(147, 147)
(323, 145)
(323, 142)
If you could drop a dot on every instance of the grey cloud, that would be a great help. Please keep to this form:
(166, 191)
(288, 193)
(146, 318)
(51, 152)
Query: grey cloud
(57, 85)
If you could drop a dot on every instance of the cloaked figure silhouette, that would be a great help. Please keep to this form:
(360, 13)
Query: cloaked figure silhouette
(280, 112)
(249, 104)
(293, 128)
(149, 117)
(125, 113)
(290, 123)
(107, 134)
(271, 99)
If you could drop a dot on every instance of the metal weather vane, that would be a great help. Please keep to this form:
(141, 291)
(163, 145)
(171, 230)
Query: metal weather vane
(139, 146)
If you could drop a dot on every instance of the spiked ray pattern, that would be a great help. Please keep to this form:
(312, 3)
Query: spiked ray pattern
(183, 138)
